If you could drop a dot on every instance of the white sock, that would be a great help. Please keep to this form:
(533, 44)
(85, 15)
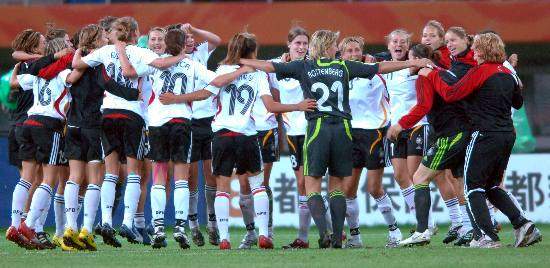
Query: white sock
(221, 205)
(158, 204)
(108, 189)
(131, 199)
(193, 216)
(38, 204)
(59, 211)
(19, 198)
(304, 218)
(210, 196)
(431, 219)
(181, 200)
(352, 213)
(261, 208)
(139, 220)
(39, 227)
(385, 207)
(71, 204)
(466, 224)
(516, 203)
(454, 211)
(408, 195)
(246, 203)
(491, 211)
(91, 203)
(328, 218)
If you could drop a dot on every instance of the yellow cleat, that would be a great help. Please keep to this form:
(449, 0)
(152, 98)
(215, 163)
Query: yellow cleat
(58, 241)
(87, 239)
(70, 238)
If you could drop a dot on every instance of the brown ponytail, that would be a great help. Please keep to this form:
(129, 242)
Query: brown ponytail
(241, 45)
(126, 29)
(53, 32)
(89, 36)
(26, 41)
(423, 51)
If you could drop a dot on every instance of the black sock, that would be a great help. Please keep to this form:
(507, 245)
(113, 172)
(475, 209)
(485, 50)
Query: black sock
(337, 215)
(422, 203)
(477, 231)
(270, 197)
(500, 199)
(478, 204)
(317, 210)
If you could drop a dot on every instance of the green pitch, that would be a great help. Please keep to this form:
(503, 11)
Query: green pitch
(434, 255)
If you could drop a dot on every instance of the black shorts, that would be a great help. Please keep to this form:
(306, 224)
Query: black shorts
(41, 140)
(295, 147)
(171, 141)
(13, 146)
(123, 132)
(201, 139)
(486, 159)
(328, 145)
(233, 150)
(411, 142)
(369, 148)
(83, 144)
(269, 144)
(448, 153)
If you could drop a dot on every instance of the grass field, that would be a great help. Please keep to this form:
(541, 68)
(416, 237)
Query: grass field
(375, 255)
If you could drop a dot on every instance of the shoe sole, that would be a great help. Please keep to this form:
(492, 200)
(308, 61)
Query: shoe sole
(538, 238)
(184, 244)
(89, 246)
(422, 243)
(198, 240)
(129, 237)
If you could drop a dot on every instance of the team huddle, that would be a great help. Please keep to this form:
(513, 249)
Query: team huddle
(96, 110)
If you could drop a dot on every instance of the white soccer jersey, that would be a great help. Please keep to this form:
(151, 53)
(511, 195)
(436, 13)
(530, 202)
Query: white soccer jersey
(50, 96)
(369, 103)
(290, 92)
(179, 79)
(263, 119)
(236, 100)
(203, 108)
(139, 58)
(146, 97)
(401, 88)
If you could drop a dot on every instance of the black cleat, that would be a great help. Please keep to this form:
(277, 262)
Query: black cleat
(213, 236)
(452, 235)
(44, 239)
(464, 240)
(109, 236)
(198, 238)
(325, 241)
(98, 229)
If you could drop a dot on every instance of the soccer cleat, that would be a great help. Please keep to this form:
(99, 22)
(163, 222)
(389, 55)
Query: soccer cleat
(159, 238)
(137, 234)
(354, 242)
(433, 230)
(452, 234)
(264, 242)
(485, 242)
(197, 236)
(526, 234)
(109, 236)
(394, 237)
(297, 244)
(30, 235)
(181, 237)
(44, 239)
(145, 236)
(249, 240)
(15, 236)
(70, 238)
(465, 239)
(98, 229)
(127, 233)
(58, 241)
(325, 241)
(87, 239)
(225, 245)
(213, 236)
(417, 239)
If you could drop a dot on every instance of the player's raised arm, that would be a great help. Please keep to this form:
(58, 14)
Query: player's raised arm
(261, 65)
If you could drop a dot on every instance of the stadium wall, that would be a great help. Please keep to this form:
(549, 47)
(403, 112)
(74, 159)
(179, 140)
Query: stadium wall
(527, 178)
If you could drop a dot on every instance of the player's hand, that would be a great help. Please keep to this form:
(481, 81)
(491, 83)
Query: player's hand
(369, 59)
(421, 63)
(285, 57)
(167, 98)
(247, 69)
(393, 132)
(513, 59)
(187, 27)
(425, 72)
(307, 105)
(120, 46)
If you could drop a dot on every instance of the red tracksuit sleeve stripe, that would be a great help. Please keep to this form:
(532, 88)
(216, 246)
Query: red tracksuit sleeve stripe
(424, 101)
(55, 68)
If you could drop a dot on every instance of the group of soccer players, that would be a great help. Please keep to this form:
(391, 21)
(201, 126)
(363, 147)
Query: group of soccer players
(97, 109)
